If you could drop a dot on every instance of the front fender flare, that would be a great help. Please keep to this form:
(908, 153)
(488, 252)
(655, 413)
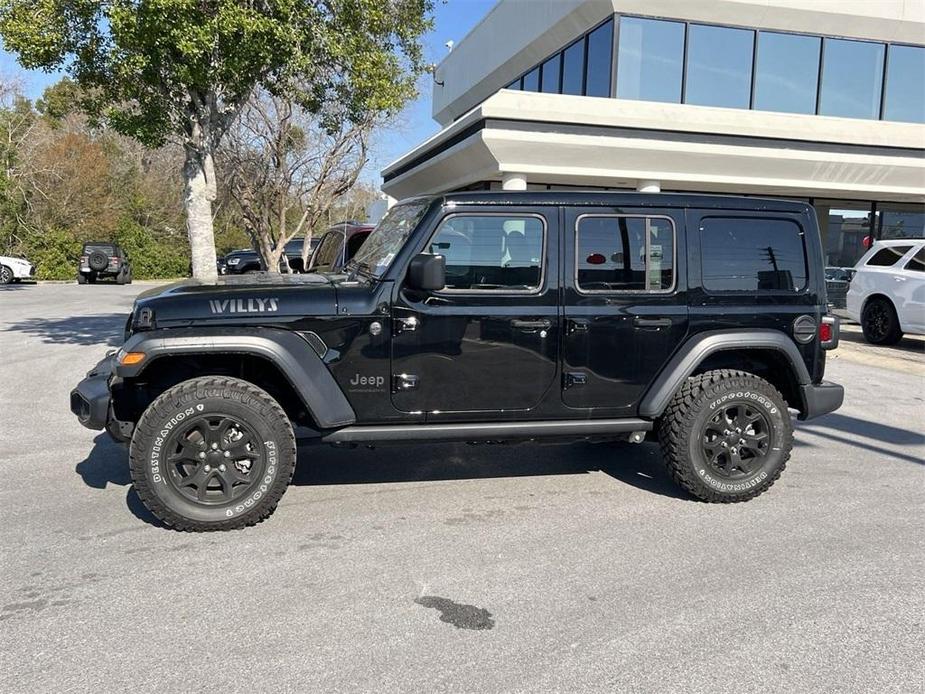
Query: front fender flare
(287, 350)
(701, 346)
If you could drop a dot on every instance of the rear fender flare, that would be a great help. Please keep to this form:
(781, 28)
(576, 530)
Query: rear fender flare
(699, 347)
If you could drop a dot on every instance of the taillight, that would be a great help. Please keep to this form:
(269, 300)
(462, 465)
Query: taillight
(83, 259)
(114, 259)
(828, 332)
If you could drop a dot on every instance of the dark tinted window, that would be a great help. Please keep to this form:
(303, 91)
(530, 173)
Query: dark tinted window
(101, 247)
(354, 243)
(917, 262)
(888, 257)
(719, 66)
(551, 71)
(786, 72)
(600, 60)
(852, 75)
(329, 250)
(531, 81)
(625, 254)
(491, 252)
(573, 67)
(748, 254)
(905, 84)
(650, 57)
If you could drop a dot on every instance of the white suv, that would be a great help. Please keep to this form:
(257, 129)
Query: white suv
(887, 292)
(13, 269)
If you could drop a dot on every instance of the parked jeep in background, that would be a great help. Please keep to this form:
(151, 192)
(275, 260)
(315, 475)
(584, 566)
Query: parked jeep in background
(337, 246)
(484, 317)
(103, 260)
(14, 269)
(887, 292)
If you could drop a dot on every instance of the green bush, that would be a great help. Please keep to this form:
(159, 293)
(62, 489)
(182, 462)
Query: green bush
(152, 258)
(54, 252)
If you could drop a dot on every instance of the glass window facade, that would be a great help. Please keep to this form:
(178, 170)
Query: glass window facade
(719, 71)
(650, 60)
(787, 72)
(852, 77)
(600, 61)
(549, 77)
(904, 93)
(674, 61)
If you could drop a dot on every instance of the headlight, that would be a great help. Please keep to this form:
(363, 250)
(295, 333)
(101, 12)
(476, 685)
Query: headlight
(234, 261)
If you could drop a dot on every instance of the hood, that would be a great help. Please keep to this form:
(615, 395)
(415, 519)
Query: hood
(257, 298)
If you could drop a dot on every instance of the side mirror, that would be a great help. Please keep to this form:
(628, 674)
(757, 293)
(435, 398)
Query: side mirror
(427, 272)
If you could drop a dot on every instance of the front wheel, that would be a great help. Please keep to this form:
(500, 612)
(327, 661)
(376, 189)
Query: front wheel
(212, 453)
(726, 436)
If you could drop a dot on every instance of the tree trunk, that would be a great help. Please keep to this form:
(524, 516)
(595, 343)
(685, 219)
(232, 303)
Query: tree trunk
(199, 176)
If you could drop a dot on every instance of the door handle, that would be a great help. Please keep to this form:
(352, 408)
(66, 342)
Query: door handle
(576, 325)
(640, 322)
(531, 324)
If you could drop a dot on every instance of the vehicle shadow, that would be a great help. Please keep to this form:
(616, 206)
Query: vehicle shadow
(638, 465)
(864, 434)
(103, 328)
(107, 464)
(908, 344)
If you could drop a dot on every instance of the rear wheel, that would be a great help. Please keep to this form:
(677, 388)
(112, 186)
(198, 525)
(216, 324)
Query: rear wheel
(880, 323)
(726, 436)
(212, 453)
(6, 275)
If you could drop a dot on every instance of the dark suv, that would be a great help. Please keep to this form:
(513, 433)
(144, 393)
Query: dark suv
(102, 259)
(338, 246)
(247, 260)
(697, 320)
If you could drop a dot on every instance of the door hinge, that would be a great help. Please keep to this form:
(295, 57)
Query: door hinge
(404, 382)
(574, 378)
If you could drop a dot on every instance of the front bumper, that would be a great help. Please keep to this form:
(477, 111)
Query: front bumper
(821, 398)
(91, 400)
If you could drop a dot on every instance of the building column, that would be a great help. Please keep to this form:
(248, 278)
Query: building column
(648, 187)
(513, 181)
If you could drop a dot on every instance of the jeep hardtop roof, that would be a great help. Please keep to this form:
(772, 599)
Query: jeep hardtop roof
(617, 199)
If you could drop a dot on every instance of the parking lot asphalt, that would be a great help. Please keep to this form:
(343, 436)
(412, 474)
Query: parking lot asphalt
(453, 567)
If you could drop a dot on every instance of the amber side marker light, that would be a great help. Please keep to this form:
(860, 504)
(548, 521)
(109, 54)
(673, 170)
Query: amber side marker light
(132, 358)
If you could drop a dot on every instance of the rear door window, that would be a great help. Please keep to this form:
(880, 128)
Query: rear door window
(620, 253)
(752, 254)
(328, 250)
(888, 257)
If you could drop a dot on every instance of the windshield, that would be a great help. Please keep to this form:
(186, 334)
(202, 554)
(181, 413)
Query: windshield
(379, 250)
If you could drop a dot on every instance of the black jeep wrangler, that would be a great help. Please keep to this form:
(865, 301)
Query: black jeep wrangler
(103, 259)
(484, 317)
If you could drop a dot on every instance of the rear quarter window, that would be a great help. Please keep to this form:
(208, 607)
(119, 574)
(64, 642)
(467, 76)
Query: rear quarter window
(888, 257)
(752, 254)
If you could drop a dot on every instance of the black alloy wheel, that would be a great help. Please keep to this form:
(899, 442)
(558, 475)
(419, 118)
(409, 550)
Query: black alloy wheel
(879, 323)
(214, 459)
(736, 440)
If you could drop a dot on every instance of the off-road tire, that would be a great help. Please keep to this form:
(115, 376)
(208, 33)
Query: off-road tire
(81, 278)
(879, 322)
(6, 275)
(205, 396)
(121, 277)
(681, 431)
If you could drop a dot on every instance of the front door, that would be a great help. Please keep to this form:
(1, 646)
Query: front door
(625, 307)
(489, 341)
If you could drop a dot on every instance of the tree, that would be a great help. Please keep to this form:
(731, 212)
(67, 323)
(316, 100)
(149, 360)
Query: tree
(181, 70)
(285, 169)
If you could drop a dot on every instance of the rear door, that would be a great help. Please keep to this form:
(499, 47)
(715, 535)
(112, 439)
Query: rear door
(625, 306)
